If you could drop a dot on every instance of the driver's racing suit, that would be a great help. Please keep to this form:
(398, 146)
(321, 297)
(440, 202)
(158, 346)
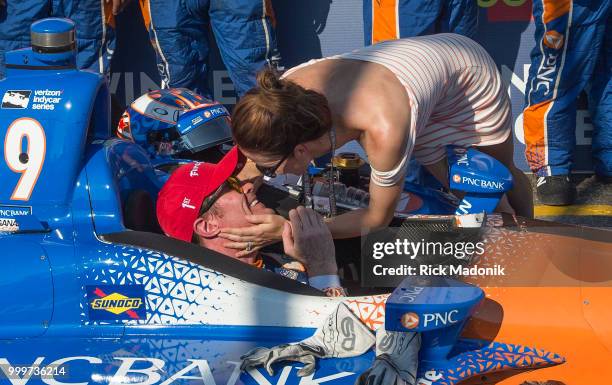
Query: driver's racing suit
(94, 20)
(279, 264)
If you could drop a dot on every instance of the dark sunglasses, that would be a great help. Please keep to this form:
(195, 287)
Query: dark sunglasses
(232, 182)
(270, 172)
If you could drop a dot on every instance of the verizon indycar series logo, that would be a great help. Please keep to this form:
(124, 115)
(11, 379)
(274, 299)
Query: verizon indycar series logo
(46, 99)
(116, 302)
(16, 99)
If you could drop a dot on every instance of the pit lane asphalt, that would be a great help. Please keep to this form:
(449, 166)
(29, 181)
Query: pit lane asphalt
(593, 206)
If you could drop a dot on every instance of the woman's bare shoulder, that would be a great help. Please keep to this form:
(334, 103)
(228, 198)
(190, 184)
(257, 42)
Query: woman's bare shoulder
(363, 96)
(381, 110)
(379, 106)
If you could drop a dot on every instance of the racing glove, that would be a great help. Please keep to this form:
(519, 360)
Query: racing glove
(342, 335)
(397, 358)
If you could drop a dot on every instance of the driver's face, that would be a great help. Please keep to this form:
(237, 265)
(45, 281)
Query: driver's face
(236, 206)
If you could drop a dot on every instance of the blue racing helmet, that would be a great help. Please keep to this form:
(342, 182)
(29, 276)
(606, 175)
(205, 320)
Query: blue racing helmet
(175, 122)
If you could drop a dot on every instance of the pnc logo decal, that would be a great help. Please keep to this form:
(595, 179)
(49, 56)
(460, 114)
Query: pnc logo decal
(456, 178)
(437, 319)
(553, 39)
(410, 320)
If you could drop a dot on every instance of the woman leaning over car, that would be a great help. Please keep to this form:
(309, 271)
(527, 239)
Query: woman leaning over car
(395, 98)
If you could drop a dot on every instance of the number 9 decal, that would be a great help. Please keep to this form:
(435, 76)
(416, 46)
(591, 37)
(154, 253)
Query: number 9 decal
(28, 163)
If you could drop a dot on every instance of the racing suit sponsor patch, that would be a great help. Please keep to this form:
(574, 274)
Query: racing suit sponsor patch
(553, 39)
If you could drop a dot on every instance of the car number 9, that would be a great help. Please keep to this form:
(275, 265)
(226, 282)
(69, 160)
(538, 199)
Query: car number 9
(28, 163)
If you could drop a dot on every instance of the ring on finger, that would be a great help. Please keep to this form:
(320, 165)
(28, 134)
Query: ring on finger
(249, 246)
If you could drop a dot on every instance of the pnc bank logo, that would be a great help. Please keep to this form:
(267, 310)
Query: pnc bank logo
(116, 302)
(553, 39)
(410, 321)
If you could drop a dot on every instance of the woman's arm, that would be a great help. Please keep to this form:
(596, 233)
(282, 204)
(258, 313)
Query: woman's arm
(385, 143)
(383, 201)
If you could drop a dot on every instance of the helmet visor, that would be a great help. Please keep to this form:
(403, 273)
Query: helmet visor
(208, 134)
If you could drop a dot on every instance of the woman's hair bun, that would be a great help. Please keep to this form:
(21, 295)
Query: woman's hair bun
(269, 80)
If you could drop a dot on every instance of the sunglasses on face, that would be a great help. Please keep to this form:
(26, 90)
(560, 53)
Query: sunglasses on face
(270, 172)
(232, 182)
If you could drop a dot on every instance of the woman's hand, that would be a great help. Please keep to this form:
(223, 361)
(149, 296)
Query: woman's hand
(266, 229)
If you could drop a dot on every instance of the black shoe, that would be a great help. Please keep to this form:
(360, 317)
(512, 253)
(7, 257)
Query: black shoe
(556, 190)
(604, 179)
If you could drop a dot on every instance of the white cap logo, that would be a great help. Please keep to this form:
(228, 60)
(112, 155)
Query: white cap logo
(186, 204)
(194, 170)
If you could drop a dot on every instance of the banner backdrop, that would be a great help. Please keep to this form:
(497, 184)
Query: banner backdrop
(317, 28)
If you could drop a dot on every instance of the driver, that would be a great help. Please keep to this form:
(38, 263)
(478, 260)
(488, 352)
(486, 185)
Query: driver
(199, 199)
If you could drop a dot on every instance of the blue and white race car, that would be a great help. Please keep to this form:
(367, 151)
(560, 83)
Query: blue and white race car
(92, 293)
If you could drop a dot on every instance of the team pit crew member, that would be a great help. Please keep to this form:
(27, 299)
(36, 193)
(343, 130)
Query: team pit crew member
(573, 52)
(179, 29)
(397, 97)
(199, 198)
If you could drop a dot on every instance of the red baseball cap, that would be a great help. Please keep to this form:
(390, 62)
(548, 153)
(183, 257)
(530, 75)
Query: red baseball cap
(180, 200)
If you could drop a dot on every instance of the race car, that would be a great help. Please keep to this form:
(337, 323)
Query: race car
(93, 293)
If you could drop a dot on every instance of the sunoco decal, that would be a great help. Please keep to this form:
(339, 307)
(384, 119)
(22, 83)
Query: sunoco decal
(116, 302)
(16, 99)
